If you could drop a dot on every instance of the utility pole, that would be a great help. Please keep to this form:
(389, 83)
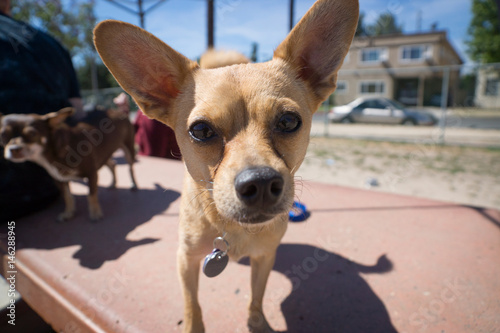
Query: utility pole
(498, 10)
(291, 13)
(140, 12)
(419, 21)
(444, 103)
(210, 23)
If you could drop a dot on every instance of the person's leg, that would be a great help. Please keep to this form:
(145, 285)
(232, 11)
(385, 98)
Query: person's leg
(24, 189)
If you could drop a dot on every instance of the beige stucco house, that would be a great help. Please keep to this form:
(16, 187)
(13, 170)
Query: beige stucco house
(404, 67)
(488, 87)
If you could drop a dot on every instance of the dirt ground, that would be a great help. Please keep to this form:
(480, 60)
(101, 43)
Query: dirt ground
(463, 175)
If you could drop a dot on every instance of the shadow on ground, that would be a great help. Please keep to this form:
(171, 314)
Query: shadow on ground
(328, 292)
(100, 241)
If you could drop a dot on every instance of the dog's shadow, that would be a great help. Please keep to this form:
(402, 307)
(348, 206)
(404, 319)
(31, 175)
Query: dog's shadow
(328, 292)
(100, 241)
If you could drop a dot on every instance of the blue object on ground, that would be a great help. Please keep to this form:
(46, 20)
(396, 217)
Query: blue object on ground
(298, 213)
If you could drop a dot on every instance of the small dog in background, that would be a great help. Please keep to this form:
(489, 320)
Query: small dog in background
(243, 131)
(221, 58)
(70, 153)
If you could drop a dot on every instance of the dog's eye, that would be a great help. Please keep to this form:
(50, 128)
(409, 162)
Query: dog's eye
(202, 132)
(30, 133)
(288, 123)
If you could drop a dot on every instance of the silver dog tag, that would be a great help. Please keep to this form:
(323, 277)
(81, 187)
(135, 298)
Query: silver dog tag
(215, 263)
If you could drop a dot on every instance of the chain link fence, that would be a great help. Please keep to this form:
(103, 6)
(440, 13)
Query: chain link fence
(102, 97)
(464, 100)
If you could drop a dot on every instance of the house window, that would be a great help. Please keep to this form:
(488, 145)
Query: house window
(491, 88)
(415, 53)
(341, 87)
(373, 55)
(372, 87)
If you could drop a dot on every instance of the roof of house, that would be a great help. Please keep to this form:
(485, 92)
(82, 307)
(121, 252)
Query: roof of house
(400, 38)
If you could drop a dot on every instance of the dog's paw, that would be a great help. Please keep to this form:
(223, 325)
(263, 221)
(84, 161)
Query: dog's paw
(193, 322)
(195, 328)
(65, 216)
(257, 323)
(95, 214)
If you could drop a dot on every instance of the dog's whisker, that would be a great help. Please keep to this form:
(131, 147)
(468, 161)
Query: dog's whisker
(195, 197)
(293, 169)
(174, 154)
(209, 209)
(205, 102)
(299, 184)
(304, 186)
(200, 192)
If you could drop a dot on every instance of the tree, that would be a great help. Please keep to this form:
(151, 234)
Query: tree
(386, 24)
(467, 85)
(71, 23)
(62, 22)
(255, 49)
(103, 76)
(361, 29)
(483, 44)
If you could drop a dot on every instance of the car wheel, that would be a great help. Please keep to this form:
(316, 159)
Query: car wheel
(409, 122)
(347, 120)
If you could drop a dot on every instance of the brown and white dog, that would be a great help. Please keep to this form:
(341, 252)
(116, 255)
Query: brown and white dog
(70, 153)
(243, 131)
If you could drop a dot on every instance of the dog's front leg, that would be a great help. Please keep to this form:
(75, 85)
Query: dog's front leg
(111, 164)
(69, 203)
(95, 212)
(189, 272)
(261, 268)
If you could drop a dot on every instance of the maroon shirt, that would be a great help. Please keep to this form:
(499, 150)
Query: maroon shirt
(155, 138)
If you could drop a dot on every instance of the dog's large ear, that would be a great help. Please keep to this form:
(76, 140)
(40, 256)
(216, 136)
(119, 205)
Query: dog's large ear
(316, 47)
(148, 69)
(57, 118)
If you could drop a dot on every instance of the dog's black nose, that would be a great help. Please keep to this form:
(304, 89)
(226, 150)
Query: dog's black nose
(259, 187)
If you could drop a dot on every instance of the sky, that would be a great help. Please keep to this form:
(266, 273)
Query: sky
(239, 23)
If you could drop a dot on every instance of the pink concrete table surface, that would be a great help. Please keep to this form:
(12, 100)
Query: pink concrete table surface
(363, 262)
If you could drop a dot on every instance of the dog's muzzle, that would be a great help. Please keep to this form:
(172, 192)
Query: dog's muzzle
(14, 152)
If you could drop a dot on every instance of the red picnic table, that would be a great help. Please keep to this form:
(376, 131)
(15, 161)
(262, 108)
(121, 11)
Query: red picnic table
(364, 261)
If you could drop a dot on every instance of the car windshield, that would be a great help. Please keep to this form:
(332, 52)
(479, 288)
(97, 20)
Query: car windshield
(396, 104)
(356, 102)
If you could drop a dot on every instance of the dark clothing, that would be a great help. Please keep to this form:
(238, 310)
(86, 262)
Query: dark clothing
(36, 76)
(36, 72)
(24, 188)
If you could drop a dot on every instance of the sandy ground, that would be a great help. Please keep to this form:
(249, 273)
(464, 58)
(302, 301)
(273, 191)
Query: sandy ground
(463, 175)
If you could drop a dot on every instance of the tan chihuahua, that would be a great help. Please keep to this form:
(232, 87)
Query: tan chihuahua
(70, 153)
(243, 131)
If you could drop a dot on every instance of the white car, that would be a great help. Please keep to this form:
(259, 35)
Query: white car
(379, 110)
